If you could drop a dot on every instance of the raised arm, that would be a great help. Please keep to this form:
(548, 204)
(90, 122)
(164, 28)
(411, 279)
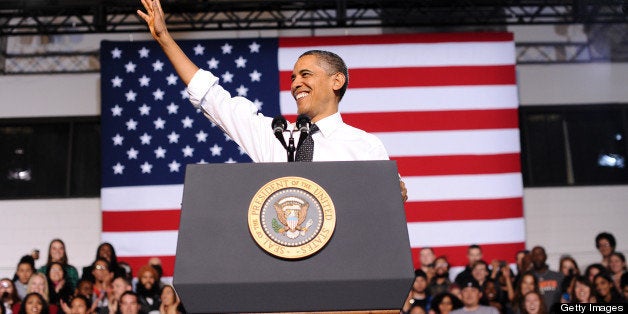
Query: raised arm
(154, 18)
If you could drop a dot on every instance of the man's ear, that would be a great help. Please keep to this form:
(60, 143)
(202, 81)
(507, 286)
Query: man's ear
(339, 81)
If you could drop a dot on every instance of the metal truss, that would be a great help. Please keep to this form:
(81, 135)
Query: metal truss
(29, 17)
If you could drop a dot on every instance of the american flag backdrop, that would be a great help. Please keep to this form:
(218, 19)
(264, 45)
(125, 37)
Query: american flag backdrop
(445, 106)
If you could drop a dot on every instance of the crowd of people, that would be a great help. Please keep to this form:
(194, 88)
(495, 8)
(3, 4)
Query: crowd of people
(530, 286)
(107, 286)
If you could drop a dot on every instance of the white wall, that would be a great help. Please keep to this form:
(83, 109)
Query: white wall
(564, 220)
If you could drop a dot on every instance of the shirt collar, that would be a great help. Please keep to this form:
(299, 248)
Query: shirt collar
(329, 124)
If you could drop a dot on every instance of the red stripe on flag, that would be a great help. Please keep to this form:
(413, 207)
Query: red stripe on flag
(142, 220)
(136, 262)
(458, 164)
(464, 210)
(425, 38)
(434, 120)
(422, 76)
(457, 255)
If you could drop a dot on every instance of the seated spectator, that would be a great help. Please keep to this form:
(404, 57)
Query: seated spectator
(605, 243)
(60, 288)
(440, 281)
(34, 303)
(25, 269)
(418, 293)
(471, 294)
(129, 303)
(108, 253)
(119, 286)
(8, 295)
(148, 290)
(57, 253)
(533, 303)
(617, 268)
(605, 288)
(583, 291)
(170, 301)
(444, 303)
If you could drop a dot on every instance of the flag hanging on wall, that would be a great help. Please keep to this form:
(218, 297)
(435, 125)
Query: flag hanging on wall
(444, 105)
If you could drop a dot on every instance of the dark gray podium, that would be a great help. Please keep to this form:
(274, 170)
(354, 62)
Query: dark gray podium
(365, 265)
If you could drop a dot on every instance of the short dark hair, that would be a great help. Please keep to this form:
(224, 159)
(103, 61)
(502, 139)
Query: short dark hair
(336, 64)
(605, 235)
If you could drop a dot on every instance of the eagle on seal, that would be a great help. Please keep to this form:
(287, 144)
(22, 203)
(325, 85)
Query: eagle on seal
(291, 212)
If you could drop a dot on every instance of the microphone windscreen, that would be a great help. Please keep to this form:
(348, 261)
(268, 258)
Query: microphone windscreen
(279, 124)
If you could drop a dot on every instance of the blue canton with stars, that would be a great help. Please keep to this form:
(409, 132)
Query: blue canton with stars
(151, 131)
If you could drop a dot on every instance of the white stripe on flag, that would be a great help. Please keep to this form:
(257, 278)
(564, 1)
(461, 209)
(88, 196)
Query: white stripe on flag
(442, 143)
(439, 98)
(147, 197)
(464, 187)
(462, 233)
(150, 243)
(411, 55)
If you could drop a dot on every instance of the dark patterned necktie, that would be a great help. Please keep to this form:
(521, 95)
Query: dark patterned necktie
(306, 150)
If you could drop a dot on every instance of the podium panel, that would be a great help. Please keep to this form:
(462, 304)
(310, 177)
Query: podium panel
(365, 265)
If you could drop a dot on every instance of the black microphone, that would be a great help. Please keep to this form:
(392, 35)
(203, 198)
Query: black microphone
(303, 125)
(279, 126)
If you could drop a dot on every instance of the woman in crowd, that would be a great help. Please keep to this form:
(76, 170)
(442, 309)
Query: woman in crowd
(592, 270)
(583, 291)
(617, 267)
(79, 305)
(59, 285)
(445, 302)
(105, 251)
(38, 283)
(58, 254)
(605, 288)
(527, 283)
(569, 268)
(170, 301)
(34, 303)
(533, 304)
(8, 295)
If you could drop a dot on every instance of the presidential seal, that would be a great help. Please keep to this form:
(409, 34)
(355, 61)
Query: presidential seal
(291, 217)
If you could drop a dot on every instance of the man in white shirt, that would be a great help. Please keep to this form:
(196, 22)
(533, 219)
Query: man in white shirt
(319, 80)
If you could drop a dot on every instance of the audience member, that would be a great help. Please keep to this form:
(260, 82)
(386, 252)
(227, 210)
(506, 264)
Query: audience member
(550, 282)
(605, 243)
(24, 271)
(570, 270)
(170, 301)
(119, 286)
(471, 295)
(8, 295)
(107, 252)
(57, 253)
(533, 303)
(493, 296)
(418, 294)
(583, 291)
(102, 282)
(444, 303)
(474, 254)
(129, 303)
(427, 259)
(34, 303)
(624, 286)
(480, 272)
(38, 283)
(592, 270)
(148, 290)
(60, 288)
(519, 261)
(605, 288)
(440, 281)
(86, 289)
(617, 268)
(527, 283)
(79, 305)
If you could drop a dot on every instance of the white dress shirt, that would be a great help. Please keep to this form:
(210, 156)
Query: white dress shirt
(238, 117)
